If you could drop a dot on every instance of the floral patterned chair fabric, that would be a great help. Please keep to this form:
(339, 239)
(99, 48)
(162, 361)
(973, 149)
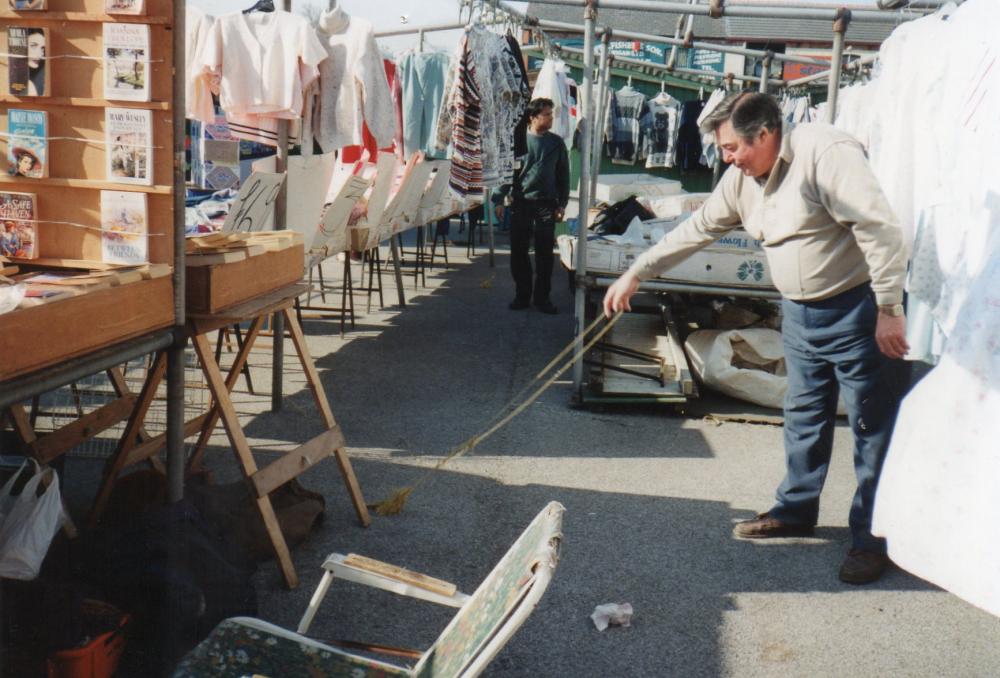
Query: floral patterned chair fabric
(242, 646)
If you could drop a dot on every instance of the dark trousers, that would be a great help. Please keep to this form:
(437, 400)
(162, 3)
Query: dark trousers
(829, 348)
(532, 222)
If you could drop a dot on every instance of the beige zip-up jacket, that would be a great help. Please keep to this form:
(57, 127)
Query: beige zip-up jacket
(824, 221)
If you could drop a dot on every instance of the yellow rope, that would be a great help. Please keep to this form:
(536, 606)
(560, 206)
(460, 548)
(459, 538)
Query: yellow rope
(394, 504)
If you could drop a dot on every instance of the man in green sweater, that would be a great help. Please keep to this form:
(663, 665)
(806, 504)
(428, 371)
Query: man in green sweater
(538, 200)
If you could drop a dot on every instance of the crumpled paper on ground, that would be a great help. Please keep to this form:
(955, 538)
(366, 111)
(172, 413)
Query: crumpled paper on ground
(612, 614)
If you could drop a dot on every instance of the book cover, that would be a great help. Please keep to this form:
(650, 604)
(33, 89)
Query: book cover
(125, 6)
(27, 74)
(27, 143)
(26, 5)
(18, 225)
(128, 134)
(124, 227)
(126, 62)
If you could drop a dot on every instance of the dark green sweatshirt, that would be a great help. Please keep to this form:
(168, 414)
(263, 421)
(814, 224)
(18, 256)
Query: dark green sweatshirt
(544, 174)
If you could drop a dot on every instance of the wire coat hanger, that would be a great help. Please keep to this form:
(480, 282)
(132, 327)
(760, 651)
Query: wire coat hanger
(261, 6)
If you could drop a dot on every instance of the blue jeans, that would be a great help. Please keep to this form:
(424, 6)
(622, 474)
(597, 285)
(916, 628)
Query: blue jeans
(829, 348)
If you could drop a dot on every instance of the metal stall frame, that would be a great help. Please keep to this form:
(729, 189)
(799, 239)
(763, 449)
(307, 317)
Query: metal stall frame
(840, 19)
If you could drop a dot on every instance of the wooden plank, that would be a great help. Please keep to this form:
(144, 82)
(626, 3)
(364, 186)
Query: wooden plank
(73, 102)
(212, 416)
(53, 330)
(58, 442)
(97, 184)
(241, 447)
(312, 376)
(42, 18)
(410, 577)
(148, 448)
(298, 461)
(200, 323)
(353, 487)
(128, 440)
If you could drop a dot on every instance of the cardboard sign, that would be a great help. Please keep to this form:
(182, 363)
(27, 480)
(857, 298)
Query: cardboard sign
(253, 209)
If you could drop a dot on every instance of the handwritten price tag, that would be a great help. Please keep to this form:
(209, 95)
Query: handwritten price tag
(253, 208)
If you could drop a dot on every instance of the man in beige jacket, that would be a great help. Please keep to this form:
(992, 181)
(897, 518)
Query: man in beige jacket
(836, 255)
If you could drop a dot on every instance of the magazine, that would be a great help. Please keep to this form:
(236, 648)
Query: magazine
(124, 227)
(126, 62)
(27, 143)
(27, 74)
(128, 134)
(18, 225)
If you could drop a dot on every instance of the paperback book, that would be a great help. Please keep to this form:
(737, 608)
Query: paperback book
(126, 62)
(125, 6)
(27, 143)
(26, 5)
(128, 135)
(18, 225)
(27, 72)
(124, 227)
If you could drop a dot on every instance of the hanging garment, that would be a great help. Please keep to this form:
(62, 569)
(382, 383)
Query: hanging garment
(689, 137)
(552, 83)
(484, 99)
(423, 79)
(709, 151)
(519, 113)
(352, 86)
(264, 62)
(660, 129)
(623, 130)
(351, 154)
(197, 90)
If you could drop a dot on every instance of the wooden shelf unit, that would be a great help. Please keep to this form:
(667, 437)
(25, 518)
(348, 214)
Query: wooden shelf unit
(77, 174)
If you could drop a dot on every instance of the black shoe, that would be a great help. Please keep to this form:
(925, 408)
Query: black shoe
(863, 567)
(547, 307)
(518, 305)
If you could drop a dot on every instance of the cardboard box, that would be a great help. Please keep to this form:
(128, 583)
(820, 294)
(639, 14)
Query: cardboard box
(214, 288)
(47, 334)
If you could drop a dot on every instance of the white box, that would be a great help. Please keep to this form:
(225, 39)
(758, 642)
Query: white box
(735, 260)
(612, 188)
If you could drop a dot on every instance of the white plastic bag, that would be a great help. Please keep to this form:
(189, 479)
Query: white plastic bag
(748, 364)
(28, 523)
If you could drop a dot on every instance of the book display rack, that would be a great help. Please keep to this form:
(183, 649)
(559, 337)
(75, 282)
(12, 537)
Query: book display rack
(66, 149)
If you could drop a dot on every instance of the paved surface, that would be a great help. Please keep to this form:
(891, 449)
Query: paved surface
(650, 500)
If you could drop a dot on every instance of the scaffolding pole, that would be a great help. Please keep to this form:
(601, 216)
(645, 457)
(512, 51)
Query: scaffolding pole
(823, 75)
(589, 18)
(840, 25)
(600, 112)
(742, 11)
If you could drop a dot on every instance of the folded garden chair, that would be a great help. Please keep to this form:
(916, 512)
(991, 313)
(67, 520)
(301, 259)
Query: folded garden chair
(485, 621)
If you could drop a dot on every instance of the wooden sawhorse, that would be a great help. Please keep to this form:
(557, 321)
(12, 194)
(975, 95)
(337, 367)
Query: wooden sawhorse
(261, 481)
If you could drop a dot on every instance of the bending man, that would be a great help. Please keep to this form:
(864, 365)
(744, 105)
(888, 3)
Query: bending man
(836, 255)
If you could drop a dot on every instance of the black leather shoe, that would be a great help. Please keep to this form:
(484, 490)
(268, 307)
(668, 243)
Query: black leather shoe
(863, 567)
(517, 305)
(766, 527)
(547, 307)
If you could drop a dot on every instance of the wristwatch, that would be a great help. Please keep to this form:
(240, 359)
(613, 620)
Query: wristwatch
(892, 310)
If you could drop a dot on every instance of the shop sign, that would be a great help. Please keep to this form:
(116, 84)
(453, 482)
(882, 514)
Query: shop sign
(653, 52)
(793, 71)
(706, 60)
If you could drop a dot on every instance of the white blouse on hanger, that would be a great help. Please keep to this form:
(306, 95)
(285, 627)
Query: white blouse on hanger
(265, 60)
(353, 86)
(198, 94)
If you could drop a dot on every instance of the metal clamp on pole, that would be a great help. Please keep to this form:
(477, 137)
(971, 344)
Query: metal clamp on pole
(689, 38)
(715, 8)
(765, 70)
(729, 81)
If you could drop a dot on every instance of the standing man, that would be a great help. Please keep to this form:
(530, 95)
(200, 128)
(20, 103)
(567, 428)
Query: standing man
(538, 198)
(836, 255)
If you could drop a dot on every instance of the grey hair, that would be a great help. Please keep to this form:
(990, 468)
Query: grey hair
(749, 113)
